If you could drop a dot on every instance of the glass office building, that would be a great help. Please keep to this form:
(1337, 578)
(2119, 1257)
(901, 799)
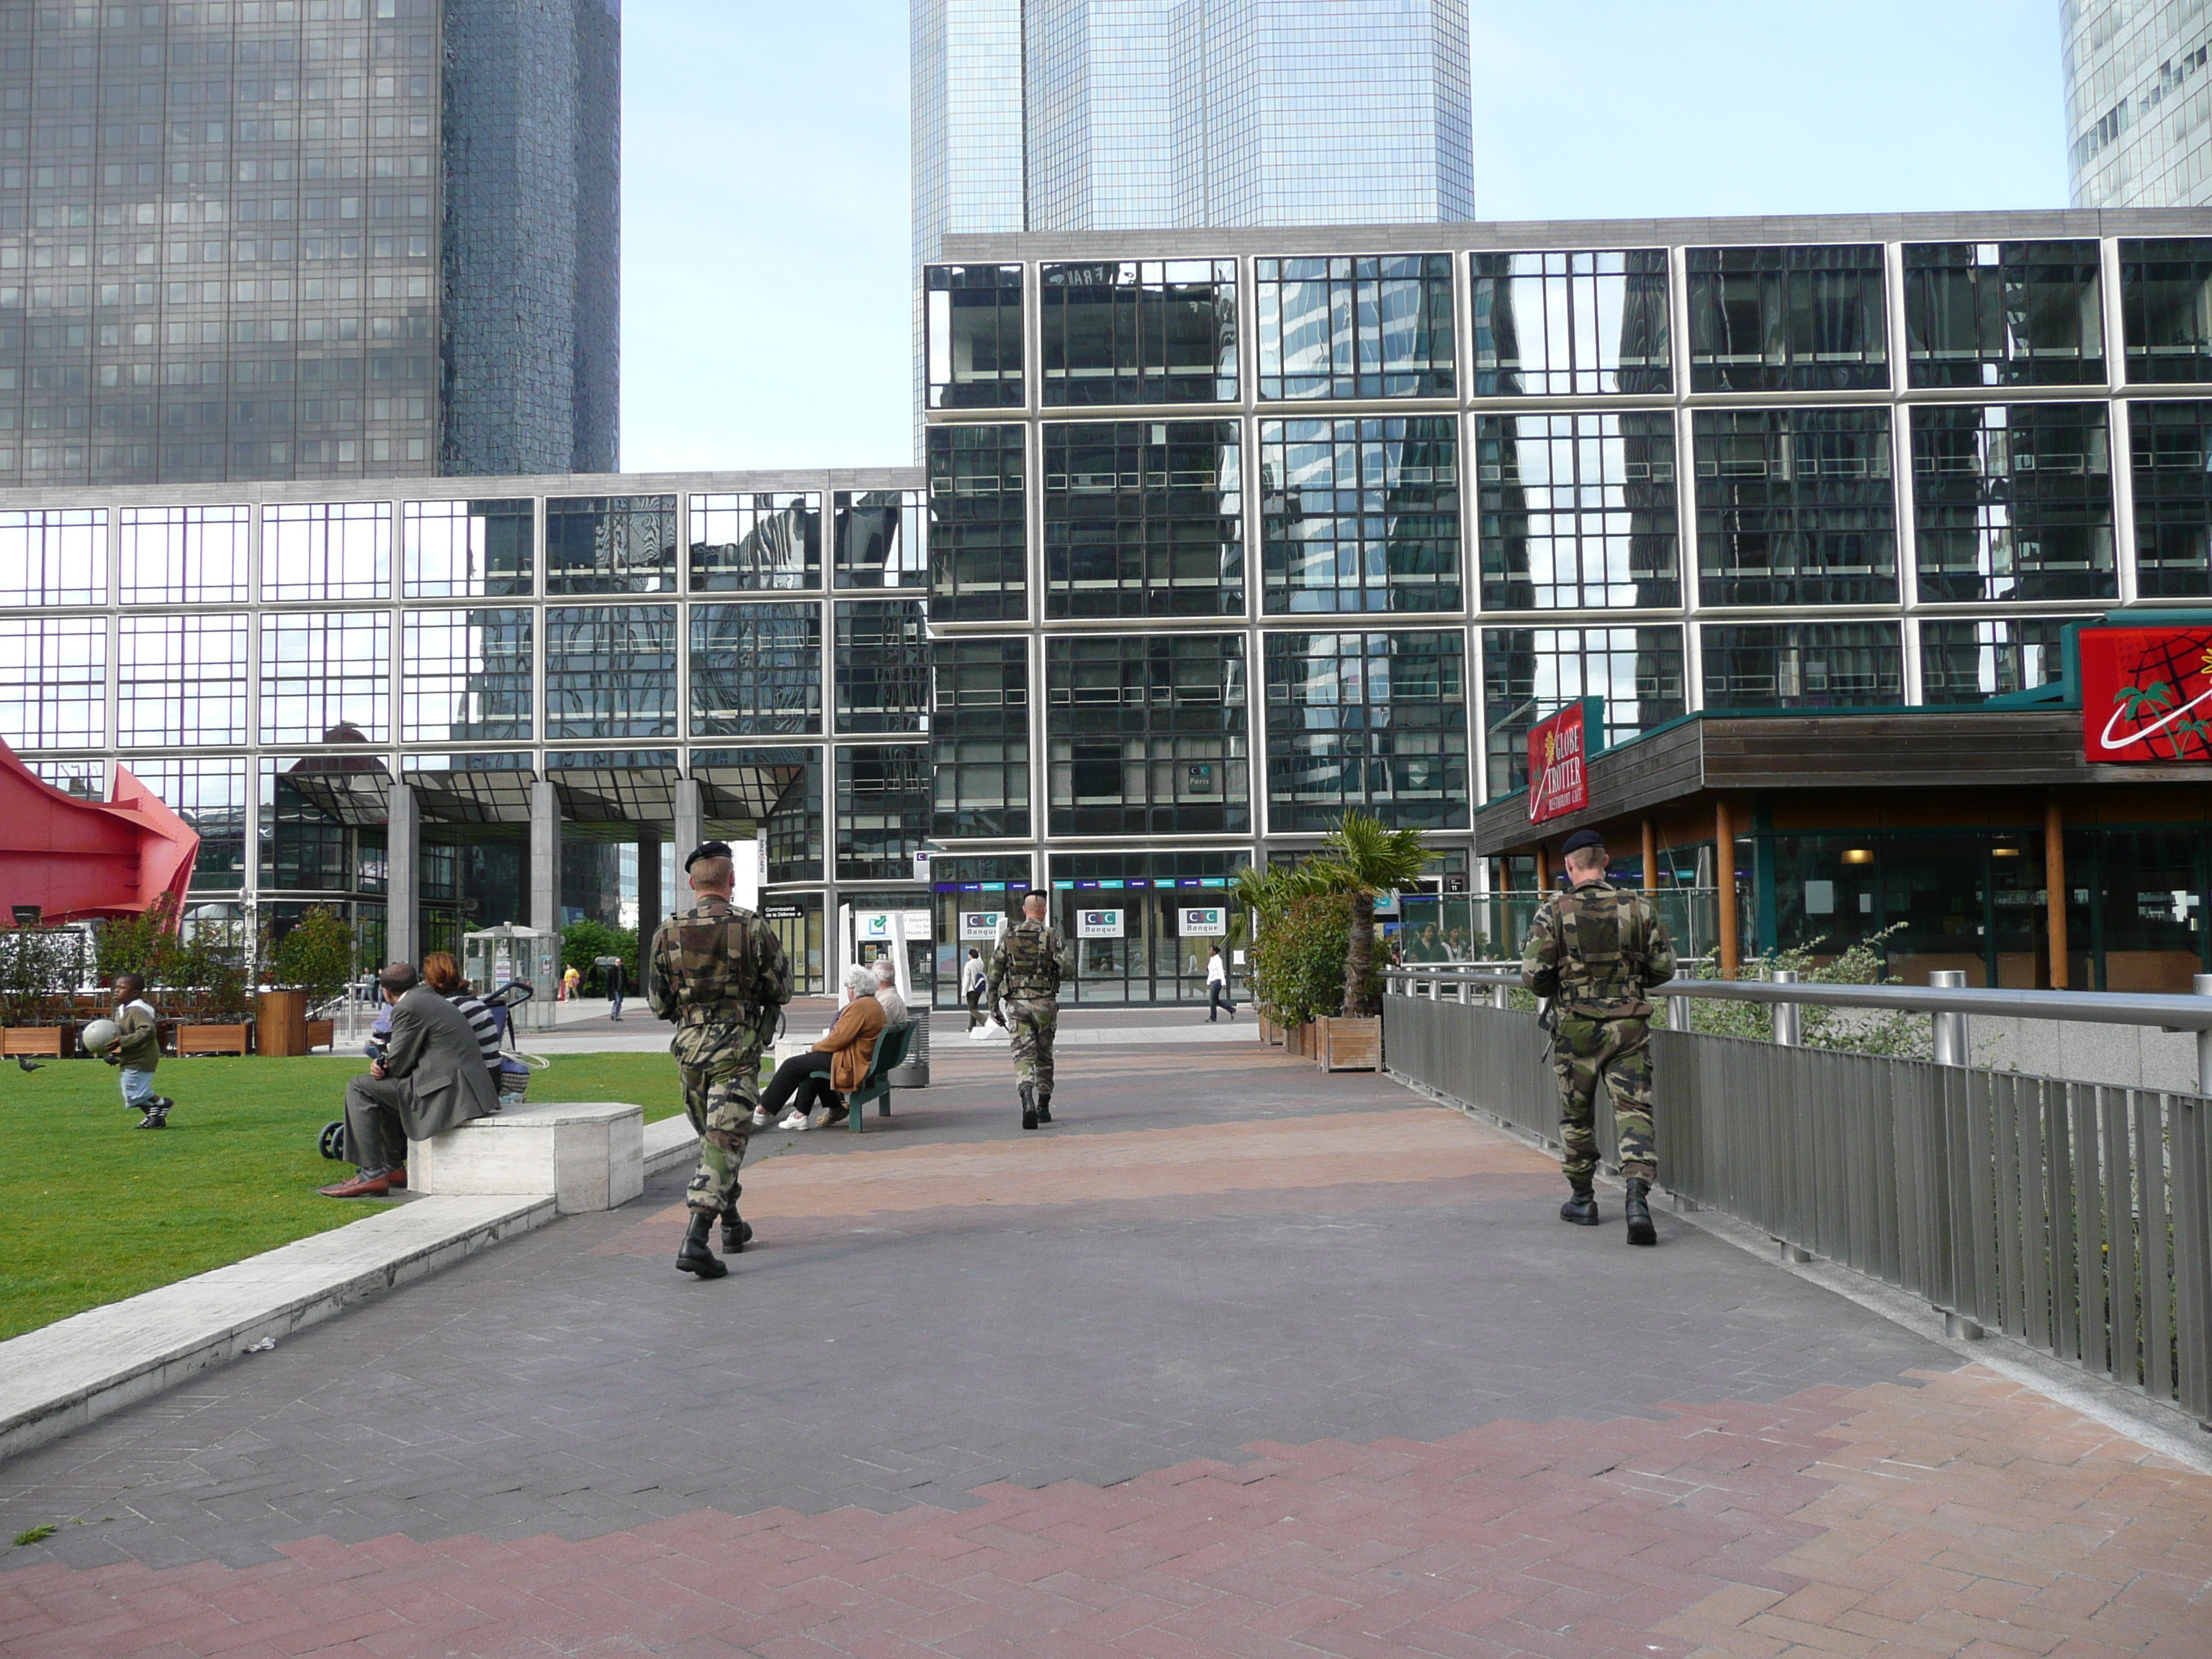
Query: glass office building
(307, 240)
(2138, 102)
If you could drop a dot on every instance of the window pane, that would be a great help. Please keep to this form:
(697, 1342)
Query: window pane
(883, 665)
(1377, 721)
(1143, 519)
(2003, 313)
(54, 682)
(1139, 333)
(2172, 464)
(1803, 665)
(181, 680)
(2014, 502)
(611, 672)
(1787, 320)
(322, 824)
(882, 540)
(610, 545)
(468, 550)
(973, 317)
(980, 727)
(1578, 510)
(185, 555)
(1550, 324)
(779, 790)
(1378, 327)
(2166, 306)
(755, 668)
(1146, 735)
(882, 810)
(756, 544)
(55, 557)
(1360, 515)
(466, 676)
(978, 524)
(326, 677)
(1968, 662)
(1530, 672)
(1795, 507)
(341, 550)
(210, 796)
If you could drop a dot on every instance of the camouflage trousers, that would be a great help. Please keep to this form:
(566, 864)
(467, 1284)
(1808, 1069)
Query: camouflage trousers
(1034, 1024)
(719, 1064)
(1619, 1051)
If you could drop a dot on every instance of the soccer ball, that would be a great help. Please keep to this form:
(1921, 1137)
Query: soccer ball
(101, 1035)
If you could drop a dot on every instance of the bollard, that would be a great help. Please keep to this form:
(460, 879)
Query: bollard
(1789, 1025)
(1501, 997)
(2201, 984)
(1949, 1030)
(1462, 993)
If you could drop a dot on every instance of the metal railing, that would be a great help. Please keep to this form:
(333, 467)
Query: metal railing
(2074, 1216)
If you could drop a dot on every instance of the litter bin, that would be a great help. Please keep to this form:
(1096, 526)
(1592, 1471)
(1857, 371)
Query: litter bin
(913, 1073)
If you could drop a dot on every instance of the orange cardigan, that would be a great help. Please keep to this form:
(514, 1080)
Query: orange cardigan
(851, 1043)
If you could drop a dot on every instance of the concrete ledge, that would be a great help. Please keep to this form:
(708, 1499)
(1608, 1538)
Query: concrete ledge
(588, 1154)
(669, 1145)
(80, 1368)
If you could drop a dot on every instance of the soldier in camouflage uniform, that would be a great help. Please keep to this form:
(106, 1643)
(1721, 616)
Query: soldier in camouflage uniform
(1027, 968)
(720, 974)
(1593, 951)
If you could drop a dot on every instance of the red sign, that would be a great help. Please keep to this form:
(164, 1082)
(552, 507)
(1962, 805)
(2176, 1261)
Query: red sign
(2146, 695)
(1558, 782)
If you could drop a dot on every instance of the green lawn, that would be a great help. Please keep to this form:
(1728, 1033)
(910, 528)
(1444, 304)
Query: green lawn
(93, 1209)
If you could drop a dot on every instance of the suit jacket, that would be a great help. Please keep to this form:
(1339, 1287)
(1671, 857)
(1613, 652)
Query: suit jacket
(434, 1051)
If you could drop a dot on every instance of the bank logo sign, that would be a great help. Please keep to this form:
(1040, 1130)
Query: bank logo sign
(1204, 922)
(1098, 924)
(979, 925)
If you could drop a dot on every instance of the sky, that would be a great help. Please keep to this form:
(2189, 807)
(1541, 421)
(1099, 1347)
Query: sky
(765, 173)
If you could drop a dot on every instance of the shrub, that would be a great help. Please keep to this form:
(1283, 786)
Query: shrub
(316, 956)
(1855, 1030)
(1299, 957)
(582, 941)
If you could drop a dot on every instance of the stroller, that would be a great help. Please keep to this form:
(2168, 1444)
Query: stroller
(514, 1066)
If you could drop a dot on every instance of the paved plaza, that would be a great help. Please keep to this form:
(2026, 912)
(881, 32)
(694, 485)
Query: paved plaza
(1237, 1358)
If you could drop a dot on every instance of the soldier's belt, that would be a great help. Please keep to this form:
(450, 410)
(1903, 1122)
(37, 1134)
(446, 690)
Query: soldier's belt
(734, 1015)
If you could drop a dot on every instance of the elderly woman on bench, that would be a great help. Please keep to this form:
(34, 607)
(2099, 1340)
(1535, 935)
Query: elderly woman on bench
(835, 1066)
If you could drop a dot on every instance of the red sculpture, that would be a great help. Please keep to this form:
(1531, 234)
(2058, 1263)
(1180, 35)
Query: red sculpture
(78, 860)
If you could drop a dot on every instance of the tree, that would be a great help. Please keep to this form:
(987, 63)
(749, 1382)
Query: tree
(1365, 859)
(316, 955)
(582, 942)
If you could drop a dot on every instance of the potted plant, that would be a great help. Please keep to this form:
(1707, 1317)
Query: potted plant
(213, 977)
(308, 968)
(38, 982)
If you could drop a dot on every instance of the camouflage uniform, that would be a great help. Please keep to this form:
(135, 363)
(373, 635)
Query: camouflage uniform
(1595, 951)
(1027, 969)
(720, 974)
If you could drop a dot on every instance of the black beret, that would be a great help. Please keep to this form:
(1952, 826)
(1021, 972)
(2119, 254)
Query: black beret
(708, 849)
(1037, 892)
(1581, 839)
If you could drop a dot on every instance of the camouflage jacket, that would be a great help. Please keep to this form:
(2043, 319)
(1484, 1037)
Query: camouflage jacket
(1596, 951)
(1029, 965)
(716, 963)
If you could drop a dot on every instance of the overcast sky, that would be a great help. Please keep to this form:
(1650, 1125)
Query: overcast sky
(765, 176)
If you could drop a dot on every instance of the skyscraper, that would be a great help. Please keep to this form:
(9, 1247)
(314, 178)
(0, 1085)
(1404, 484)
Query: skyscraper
(1082, 115)
(2138, 102)
(278, 239)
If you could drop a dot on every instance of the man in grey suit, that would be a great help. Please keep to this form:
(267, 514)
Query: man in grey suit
(432, 1078)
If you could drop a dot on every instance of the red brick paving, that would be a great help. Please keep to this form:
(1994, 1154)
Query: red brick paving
(1966, 1518)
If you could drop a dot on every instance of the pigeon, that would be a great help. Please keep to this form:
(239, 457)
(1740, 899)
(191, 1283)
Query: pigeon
(27, 1064)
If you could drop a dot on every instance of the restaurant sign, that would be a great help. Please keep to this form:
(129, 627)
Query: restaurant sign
(2146, 695)
(1558, 746)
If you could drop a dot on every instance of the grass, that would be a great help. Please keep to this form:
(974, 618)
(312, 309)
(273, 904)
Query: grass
(93, 1209)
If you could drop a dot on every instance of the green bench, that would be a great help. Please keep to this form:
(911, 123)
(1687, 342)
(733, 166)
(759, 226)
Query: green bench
(891, 1054)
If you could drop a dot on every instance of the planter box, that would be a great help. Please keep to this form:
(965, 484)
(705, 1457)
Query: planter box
(1300, 1039)
(212, 1039)
(51, 1042)
(280, 1022)
(322, 1033)
(1270, 1035)
(1349, 1045)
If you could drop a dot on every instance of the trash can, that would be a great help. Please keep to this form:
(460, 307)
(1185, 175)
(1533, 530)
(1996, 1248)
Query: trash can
(913, 1073)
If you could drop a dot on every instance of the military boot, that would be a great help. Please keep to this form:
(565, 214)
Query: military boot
(1044, 1108)
(1028, 1106)
(695, 1257)
(1640, 1229)
(1581, 1207)
(737, 1233)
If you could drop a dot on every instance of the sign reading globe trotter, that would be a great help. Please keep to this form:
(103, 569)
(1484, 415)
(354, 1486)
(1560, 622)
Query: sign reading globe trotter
(1098, 924)
(2146, 695)
(1204, 922)
(1559, 782)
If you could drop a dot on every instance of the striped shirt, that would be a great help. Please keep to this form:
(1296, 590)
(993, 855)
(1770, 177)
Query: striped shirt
(484, 1023)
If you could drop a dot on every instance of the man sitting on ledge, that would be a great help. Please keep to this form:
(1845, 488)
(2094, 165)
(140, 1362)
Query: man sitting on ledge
(431, 1078)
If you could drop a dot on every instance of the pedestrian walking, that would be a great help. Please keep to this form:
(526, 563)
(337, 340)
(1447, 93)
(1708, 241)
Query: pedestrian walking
(972, 975)
(569, 981)
(1027, 968)
(720, 973)
(1217, 987)
(1594, 949)
(617, 974)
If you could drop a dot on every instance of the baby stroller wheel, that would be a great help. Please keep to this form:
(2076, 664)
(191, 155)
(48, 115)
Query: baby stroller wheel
(333, 1141)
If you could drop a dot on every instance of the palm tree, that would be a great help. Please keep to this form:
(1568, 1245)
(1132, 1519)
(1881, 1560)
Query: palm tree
(1365, 859)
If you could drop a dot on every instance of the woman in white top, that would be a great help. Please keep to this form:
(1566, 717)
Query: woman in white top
(1217, 987)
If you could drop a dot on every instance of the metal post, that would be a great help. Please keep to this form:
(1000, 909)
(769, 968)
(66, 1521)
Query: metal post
(1501, 997)
(1950, 1029)
(1789, 1017)
(1462, 992)
(2201, 984)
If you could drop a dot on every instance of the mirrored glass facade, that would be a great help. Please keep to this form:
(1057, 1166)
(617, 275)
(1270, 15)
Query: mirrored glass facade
(1143, 519)
(469, 550)
(466, 676)
(1376, 721)
(2014, 502)
(978, 524)
(882, 810)
(186, 554)
(1970, 662)
(765, 542)
(980, 732)
(610, 545)
(883, 667)
(972, 316)
(2135, 94)
(1148, 735)
(2172, 446)
(1142, 332)
(609, 671)
(1578, 512)
(1796, 507)
(1803, 665)
(53, 558)
(1372, 327)
(882, 538)
(1531, 672)
(1359, 515)
(2003, 313)
(1787, 319)
(1558, 324)
(2165, 307)
(755, 669)
(182, 681)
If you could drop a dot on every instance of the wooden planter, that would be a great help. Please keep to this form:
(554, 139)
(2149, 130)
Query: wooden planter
(1299, 1040)
(1348, 1045)
(213, 1039)
(322, 1034)
(50, 1042)
(1269, 1034)
(280, 1021)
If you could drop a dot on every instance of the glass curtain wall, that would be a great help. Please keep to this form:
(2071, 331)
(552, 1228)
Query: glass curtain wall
(1146, 735)
(1561, 325)
(1353, 327)
(972, 320)
(1149, 332)
(2014, 502)
(755, 670)
(2003, 313)
(760, 543)
(1359, 515)
(980, 732)
(1803, 665)
(2171, 451)
(883, 667)
(978, 524)
(1795, 507)
(1530, 672)
(1376, 721)
(1578, 512)
(1787, 319)
(1143, 519)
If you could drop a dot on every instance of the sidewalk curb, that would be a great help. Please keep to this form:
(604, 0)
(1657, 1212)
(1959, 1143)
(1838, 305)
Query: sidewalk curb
(66, 1375)
(669, 1145)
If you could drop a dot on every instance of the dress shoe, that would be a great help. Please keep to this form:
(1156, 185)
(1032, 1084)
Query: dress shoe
(1581, 1207)
(398, 1180)
(1640, 1229)
(695, 1257)
(360, 1187)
